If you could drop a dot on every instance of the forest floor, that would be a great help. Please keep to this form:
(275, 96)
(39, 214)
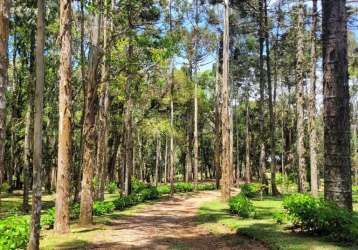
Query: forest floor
(171, 223)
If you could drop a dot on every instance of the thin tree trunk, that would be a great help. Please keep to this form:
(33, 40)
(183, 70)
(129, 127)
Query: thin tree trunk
(300, 101)
(312, 105)
(248, 144)
(34, 240)
(225, 124)
(89, 130)
(337, 154)
(157, 161)
(165, 160)
(62, 220)
(4, 36)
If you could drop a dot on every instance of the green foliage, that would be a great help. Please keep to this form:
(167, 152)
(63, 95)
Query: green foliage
(251, 190)
(279, 217)
(5, 187)
(206, 186)
(316, 215)
(48, 218)
(138, 185)
(14, 233)
(150, 193)
(102, 208)
(75, 211)
(112, 187)
(163, 189)
(241, 205)
(183, 187)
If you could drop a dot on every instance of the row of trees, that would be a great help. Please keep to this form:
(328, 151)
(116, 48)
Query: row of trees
(169, 90)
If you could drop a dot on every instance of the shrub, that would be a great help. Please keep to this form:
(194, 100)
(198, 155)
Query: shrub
(318, 216)
(138, 185)
(163, 189)
(112, 187)
(280, 218)
(183, 187)
(75, 211)
(5, 187)
(148, 194)
(14, 232)
(251, 190)
(48, 218)
(102, 208)
(241, 205)
(206, 186)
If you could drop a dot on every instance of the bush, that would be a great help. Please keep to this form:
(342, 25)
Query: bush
(163, 189)
(102, 208)
(75, 211)
(112, 187)
(138, 185)
(148, 194)
(183, 187)
(251, 190)
(5, 187)
(206, 186)
(318, 216)
(14, 232)
(241, 205)
(48, 218)
(280, 218)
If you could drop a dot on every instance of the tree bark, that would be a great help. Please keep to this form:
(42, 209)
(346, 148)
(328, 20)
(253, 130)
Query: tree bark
(89, 130)
(34, 240)
(300, 100)
(29, 129)
(248, 144)
(225, 123)
(157, 161)
(337, 155)
(62, 220)
(4, 36)
(312, 105)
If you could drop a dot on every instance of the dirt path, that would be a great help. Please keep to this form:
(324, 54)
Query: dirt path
(168, 224)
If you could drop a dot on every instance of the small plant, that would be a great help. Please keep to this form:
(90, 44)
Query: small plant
(280, 218)
(206, 186)
(242, 206)
(183, 187)
(14, 232)
(75, 211)
(251, 190)
(5, 187)
(112, 187)
(102, 208)
(163, 189)
(48, 218)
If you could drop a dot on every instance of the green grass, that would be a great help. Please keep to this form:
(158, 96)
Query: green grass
(263, 227)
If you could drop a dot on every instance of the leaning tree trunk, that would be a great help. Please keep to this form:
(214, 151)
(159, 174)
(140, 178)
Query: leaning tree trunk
(337, 155)
(300, 100)
(225, 123)
(312, 105)
(4, 36)
(89, 127)
(62, 220)
(34, 240)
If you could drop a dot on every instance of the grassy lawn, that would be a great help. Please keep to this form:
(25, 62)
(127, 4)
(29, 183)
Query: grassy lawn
(214, 214)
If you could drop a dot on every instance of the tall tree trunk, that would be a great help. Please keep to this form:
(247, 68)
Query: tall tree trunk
(225, 124)
(248, 144)
(312, 105)
(300, 100)
(89, 130)
(218, 101)
(157, 161)
(262, 160)
(62, 220)
(34, 240)
(4, 36)
(29, 129)
(270, 103)
(102, 147)
(165, 160)
(337, 155)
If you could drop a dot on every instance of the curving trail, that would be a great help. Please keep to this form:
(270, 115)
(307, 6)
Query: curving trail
(169, 224)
